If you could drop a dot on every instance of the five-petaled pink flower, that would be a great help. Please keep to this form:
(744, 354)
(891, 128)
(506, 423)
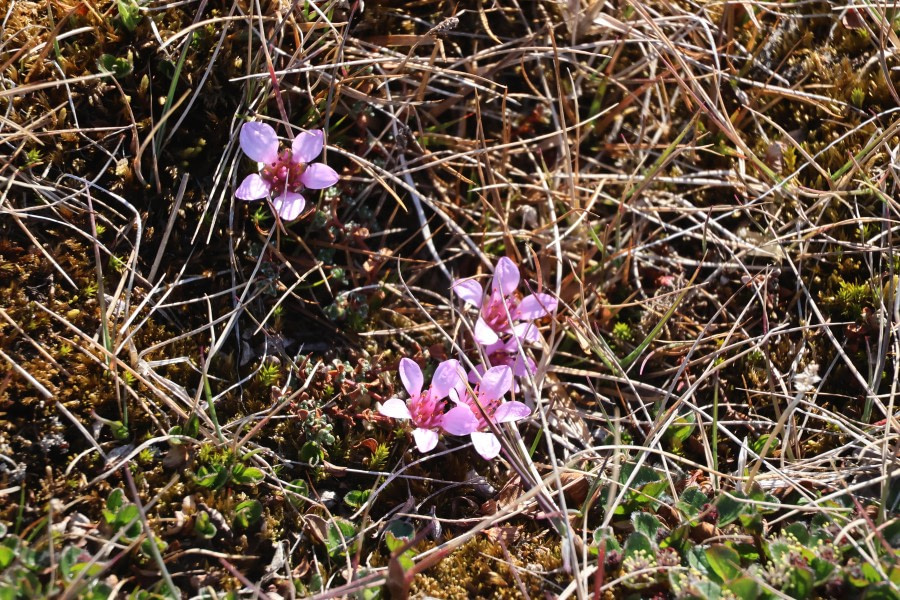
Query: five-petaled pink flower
(504, 308)
(425, 408)
(467, 417)
(284, 174)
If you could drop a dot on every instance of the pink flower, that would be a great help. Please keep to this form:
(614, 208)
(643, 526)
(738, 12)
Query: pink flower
(284, 173)
(467, 418)
(425, 409)
(504, 307)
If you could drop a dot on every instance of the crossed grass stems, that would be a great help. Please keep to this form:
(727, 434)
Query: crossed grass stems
(564, 248)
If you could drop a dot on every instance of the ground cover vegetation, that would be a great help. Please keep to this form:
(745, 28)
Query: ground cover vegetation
(479, 299)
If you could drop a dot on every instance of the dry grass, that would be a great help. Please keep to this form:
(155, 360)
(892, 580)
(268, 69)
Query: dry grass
(709, 189)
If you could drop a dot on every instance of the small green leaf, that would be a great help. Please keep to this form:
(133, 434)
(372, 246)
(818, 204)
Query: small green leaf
(6, 556)
(636, 543)
(340, 535)
(212, 477)
(691, 502)
(744, 588)
(68, 558)
(312, 453)
(247, 512)
(357, 498)
(646, 523)
(115, 500)
(398, 533)
(729, 508)
(244, 475)
(295, 489)
(800, 583)
(724, 561)
(129, 14)
(120, 67)
(204, 526)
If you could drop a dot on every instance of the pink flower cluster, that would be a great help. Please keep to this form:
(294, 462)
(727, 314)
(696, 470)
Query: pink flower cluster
(473, 411)
(286, 173)
(505, 319)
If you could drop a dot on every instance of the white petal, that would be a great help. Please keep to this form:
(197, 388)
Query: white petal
(484, 334)
(395, 408)
(259, 142)
(289, 205)
(509, 412)
(319, 176)
(253, 187)
(535, 306)
(411, 376)
(486, 444)
(469, 290)
(506, 276)
(426, 439)
(307, 146)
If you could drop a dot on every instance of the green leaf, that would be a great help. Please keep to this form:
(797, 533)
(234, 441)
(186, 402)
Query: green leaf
(247, 512)
(68, 558)
(880, 591)
(799, 531)
(691, 502)
(822, 570)
(744, 588)
(244, 475)
(129, 14)
(115, 500)
(212, 477)
(398, 533)
(651, 492)
(312, 453)
(724, 561)
(729, 508)
(340, 535)
(6, 556)
(636, 543)
(800, 583)
(120, 67)
(204, 526)
(297, 488)
(357, 498)
(646, 523)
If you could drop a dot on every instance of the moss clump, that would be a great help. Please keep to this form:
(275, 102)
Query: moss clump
(481, 569)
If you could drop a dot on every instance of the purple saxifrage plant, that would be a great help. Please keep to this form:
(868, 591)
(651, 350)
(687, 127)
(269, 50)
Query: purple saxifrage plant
(473, 411)
(425, 408)
(282, 175)
(504, 308)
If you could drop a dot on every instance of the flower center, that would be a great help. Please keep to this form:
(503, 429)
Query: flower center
(426, 410)
(284, 174)
(495, 312)
(489, 405)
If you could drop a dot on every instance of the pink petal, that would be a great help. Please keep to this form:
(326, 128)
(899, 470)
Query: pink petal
(319, 176)
(486, 444)
(448, 375)
(535, 306)
(253, 187)
(476, 375)
(307, 146)
(469, 290)
(511, 411)
(289, 205)
(395, 408)
(496, 382)
(506, 276)
(259, 142)
(526, 332)
(523, 366)
(484, 334)
(459, 420)
(411, 376)
(426, 439)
